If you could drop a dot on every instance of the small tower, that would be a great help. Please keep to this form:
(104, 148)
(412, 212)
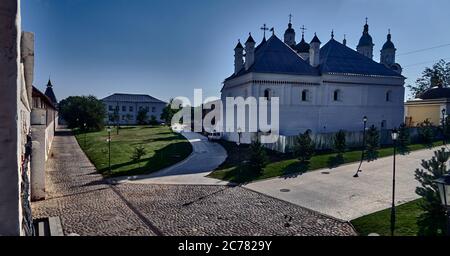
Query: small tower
(50, 94)
(344, 42)
(303, 47)
(289, 35)
(387, 56)
(314, 51)
(249, 52)
(238, 57)
(365, 45)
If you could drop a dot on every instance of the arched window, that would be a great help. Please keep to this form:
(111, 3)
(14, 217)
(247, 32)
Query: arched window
(305, 95)
(267, 94)
(388, 96)
(337, 95)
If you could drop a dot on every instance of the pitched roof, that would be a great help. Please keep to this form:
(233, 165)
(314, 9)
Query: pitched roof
(435, 93)
(338, 58)
(45, 98)
(141, 98)
(274, 56)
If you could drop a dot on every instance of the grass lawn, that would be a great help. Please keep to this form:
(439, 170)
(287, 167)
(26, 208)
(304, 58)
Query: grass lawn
(233, 169)
(379, 222)
(163, 148)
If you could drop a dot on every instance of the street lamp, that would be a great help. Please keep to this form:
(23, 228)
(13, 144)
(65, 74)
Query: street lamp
(363, 148)
(443, 126)
(444, 192)
(239, 130)
(394, 135)
(85, 131)
(109, 148)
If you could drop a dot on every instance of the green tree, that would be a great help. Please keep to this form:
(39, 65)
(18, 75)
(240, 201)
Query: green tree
(142, 116)
(153, 120)
(433, 221)
(426, 132)
(138, 153)
(304, 147)
(446, 128)
(80, 110)
(437, 75)
(372, 143)
(258, 157)
(403, 139)
(167, 113)
(339, 142)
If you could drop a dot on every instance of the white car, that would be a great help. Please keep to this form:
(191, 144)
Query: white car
(214, 136)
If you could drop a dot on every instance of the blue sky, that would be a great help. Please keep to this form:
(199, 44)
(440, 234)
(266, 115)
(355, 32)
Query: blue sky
(166, 48)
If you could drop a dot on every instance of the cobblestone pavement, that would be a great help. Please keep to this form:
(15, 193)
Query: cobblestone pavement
(88, 206)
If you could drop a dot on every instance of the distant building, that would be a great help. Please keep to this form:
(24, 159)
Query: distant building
(432, 104)
(320, 88)
(129, 105)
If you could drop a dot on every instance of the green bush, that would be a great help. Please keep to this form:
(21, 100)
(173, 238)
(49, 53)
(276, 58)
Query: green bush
(403, 139)
(372, 143)
(258, 157)
(426, 132)
(433, 221)
(304, 147)
(339, 142)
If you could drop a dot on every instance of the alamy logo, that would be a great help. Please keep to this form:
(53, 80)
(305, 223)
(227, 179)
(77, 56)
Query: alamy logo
(254, 116)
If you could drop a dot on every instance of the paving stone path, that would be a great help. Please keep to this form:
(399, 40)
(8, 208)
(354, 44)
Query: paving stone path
(87, 205)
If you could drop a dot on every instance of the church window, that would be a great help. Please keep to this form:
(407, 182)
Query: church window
(124, 108)
(305, 95)
(110, 108)
(153, 109)
(389, 96)
(131, 108)
(337, 95)
(267, 94)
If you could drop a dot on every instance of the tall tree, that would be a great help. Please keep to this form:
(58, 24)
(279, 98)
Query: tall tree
(339, 142)
(372, 143)
(304, 147)
(257, 158)
(142, 116)
(167, 113)
(433, 221)
(403, 139)
(80, 110)
(437, 75)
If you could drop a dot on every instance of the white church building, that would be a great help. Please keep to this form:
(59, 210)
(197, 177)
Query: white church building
(323, 88)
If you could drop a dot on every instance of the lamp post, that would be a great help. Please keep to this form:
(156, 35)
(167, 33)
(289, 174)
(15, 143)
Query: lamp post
(364, 147)
(85, 131)
(444, 192)
(109, 149)
(443, 126)
(394, 135)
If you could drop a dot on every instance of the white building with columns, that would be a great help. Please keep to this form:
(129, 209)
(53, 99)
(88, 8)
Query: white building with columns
(321, 88)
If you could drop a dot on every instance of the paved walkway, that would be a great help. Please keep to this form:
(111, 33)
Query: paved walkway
(336, 193)
(206, 156)
(87, 205)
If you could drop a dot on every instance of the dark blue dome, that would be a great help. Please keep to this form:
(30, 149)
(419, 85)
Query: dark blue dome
(302, 46)
(365, 40)
(290, 30)
(388, 44)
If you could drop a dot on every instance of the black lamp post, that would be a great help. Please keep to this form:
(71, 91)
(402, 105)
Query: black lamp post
(444, 139)
(109, 149)
(85, 131)
(364, 147)
(239, 130)
(444, 192)
(394, 135)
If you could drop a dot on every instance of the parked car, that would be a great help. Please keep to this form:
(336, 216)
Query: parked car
(214, 136)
